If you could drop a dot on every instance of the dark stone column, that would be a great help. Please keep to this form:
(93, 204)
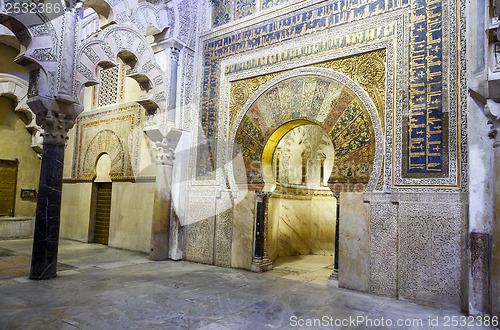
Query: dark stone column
(48, 209)
(480, 248)
(260, 262)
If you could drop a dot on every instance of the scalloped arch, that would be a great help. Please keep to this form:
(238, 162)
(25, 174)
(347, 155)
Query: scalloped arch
(106, 46)
(38, 40)
(151, 19)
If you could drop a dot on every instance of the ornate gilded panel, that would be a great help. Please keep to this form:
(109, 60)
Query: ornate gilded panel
(424, 113)
(221, 12)
(244, 8)
(271, 3)
(320, 100)
(113, 131)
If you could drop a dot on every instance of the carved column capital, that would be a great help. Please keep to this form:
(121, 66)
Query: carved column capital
(166, 146)
(492, 111)
(165, 153)
(56, 127)
(174, 54)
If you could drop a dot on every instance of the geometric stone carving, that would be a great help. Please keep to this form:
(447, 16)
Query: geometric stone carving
(383, 248)
(223, 230)
(200, 233)
(432, 253)
(108, 86)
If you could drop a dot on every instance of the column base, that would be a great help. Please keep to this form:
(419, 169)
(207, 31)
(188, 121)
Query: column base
(333, 279)
(260, 265)
(43, 277)
(334, 275)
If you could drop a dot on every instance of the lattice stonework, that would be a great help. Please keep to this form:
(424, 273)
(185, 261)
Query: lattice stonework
(108, 86)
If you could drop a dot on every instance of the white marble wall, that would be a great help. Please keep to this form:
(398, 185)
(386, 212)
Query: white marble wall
(131, 217)
(76, 211)
(354, 242)
(301, 226)
(243, 227)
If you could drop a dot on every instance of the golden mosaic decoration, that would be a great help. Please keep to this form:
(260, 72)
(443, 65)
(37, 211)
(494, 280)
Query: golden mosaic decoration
(368, 70)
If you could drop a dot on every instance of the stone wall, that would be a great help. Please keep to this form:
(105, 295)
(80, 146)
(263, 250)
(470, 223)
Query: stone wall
(419, 247)
(130, 218)
(301, 225)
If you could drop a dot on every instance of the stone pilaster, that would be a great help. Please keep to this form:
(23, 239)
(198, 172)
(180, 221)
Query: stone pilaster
(68, 49)
(492, 111)
(48, 211)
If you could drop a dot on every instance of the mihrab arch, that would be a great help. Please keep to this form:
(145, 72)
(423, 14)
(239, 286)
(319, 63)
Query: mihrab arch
(309, 95)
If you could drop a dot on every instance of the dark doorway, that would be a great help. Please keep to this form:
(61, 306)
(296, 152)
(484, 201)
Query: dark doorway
(103, 211)
(8, 176)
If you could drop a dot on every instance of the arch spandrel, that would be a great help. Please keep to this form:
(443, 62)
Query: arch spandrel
(321, 96)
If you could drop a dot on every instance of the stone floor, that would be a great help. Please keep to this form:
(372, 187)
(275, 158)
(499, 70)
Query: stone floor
(314, 269)
(105, 288)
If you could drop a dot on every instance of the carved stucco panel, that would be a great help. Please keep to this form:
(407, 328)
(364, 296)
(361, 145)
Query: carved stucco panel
(383, 248)
(431, 248)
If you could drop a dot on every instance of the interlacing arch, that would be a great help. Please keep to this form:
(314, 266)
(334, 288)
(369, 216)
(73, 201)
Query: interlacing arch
(135, 51)
(38, 48)
(146, 18)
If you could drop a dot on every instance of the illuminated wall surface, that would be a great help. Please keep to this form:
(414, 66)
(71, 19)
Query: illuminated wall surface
(426, 111)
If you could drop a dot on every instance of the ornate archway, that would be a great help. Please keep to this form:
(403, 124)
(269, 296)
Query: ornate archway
(106, 141)
(325, 97)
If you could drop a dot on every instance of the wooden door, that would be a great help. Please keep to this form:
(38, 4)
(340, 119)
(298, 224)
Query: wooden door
(103, 211)
(8, 177)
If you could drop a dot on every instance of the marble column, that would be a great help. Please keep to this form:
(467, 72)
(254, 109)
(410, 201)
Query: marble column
(160, 228)
(48, 210)
(335, 274)
(172, 99)
(492, 111)
(261, 262)
(161, 211)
